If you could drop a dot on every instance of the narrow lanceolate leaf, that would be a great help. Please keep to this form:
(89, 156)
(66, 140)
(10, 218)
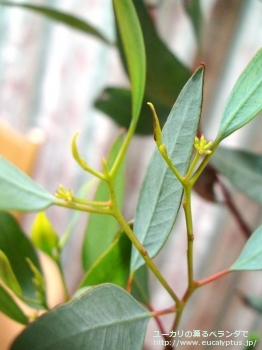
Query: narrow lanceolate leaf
(165, 74)
(104, 318)
(132, 40)
(43, 235)
(17, 247)
(161, 192)
(62, 17)
(243, 169)
(7, 275)
(101, 229)
(251, 256)
(9, 307)
(165, 78)
(112, 266)
(20, 192)
(244, 101)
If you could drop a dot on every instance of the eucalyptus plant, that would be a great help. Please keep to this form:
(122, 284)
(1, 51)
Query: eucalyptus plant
(113, 307)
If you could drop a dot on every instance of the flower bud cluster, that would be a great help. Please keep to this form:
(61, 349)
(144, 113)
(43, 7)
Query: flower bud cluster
(202, 146)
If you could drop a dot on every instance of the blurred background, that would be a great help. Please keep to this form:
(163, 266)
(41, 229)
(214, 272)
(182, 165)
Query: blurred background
(51, 76)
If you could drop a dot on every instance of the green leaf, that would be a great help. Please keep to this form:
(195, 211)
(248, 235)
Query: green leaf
(17, 247)
(165, 78)
(132, 40)
(101, 229)
(194, 12)
(61, 17)
(44, 236)
(140, 287)
(251, 256)
(7, 275)
(244, 101)
(161, 192)
(165, 75)
(106, 317)
(116, 103)
(113, 264)
(10, 308)
(242, 168)
(20, 192)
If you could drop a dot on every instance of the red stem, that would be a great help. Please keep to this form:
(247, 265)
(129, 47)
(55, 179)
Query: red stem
(231, 206)
(165, 311)
(159, 323)
(212, 278)
(129, 283)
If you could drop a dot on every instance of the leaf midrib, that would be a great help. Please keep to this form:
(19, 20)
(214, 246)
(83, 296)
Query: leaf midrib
(112, 324)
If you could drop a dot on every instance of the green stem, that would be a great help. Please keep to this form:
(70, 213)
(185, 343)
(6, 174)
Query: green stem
(190, 235)
(190, 263)
(94, 172)
(179, 312)
(91, 203)
(172, 167)
(81, 161)
(81, 207)
(203, 164)
(192, 167)
(180, 309)
(144, 254)
(123, 223)
(123, 149)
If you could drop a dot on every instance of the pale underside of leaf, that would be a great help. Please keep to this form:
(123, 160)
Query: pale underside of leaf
(161, 192)
(251, 256)
(244, 102)
(242, 169)
(20, 192)
(104, 318)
